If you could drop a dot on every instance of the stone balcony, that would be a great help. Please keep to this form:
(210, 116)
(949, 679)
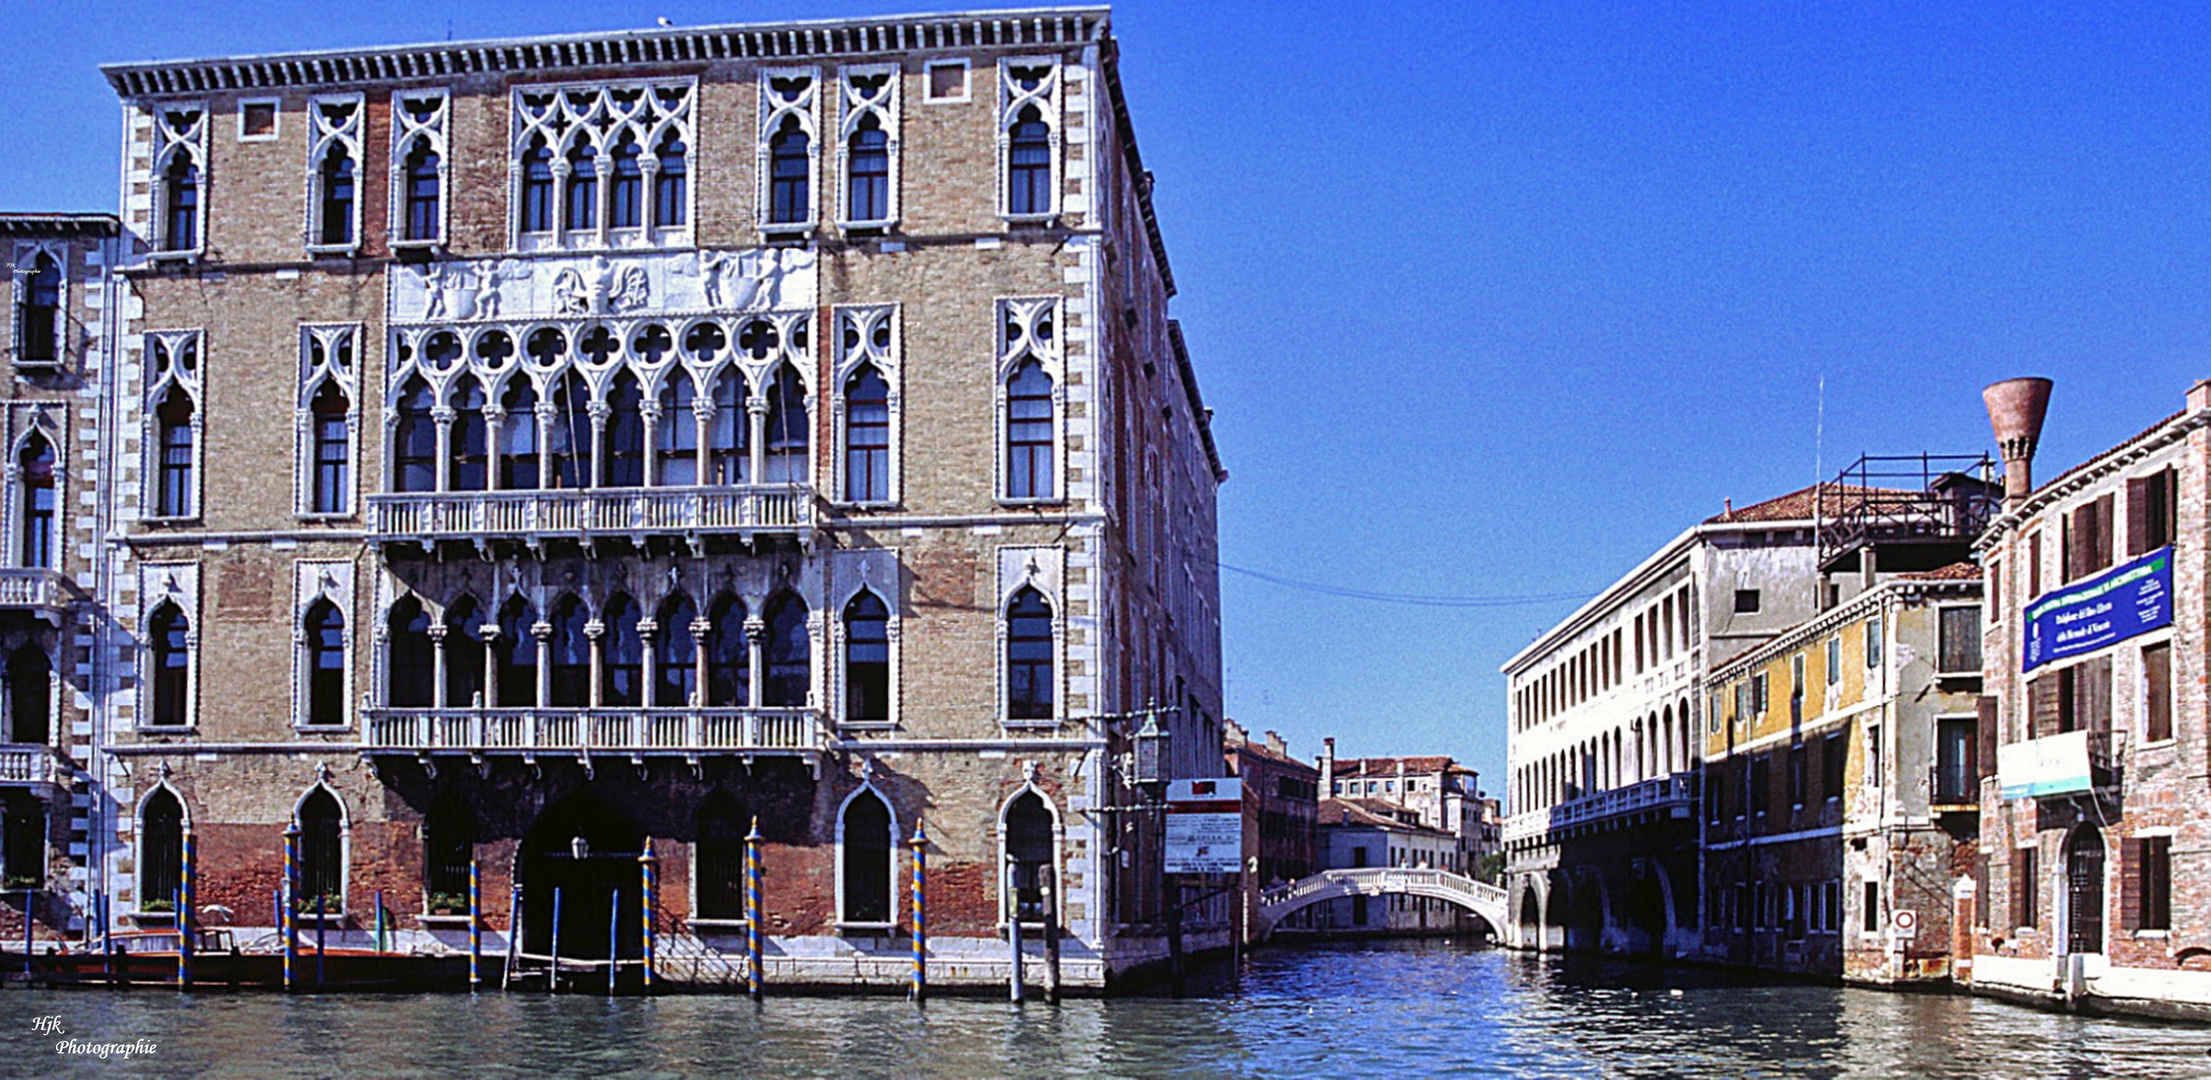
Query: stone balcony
(1659, 798)
(742, 511)
(34, 766)
(47, 594)
(632, 733)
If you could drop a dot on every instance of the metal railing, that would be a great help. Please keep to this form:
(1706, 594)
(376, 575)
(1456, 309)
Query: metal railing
(1662, 792)
(613, 731)
(613, 511)
(1920, 497)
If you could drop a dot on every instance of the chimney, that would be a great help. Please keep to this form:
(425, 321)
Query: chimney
(1275, 743)
(2015, 410)
(1327, 767)
(1233, 733)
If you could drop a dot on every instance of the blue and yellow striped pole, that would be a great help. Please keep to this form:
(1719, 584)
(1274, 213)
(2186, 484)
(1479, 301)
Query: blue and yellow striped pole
(753, 914)
(291, 906)
(186, 895)
(475, 923)
(648, 870)
(921, 914)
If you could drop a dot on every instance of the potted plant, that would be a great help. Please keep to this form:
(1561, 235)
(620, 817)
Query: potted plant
(444, 903)
(331, 904)
(158, 907)
(22, 883)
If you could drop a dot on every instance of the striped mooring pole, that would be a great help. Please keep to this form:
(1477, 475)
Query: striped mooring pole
(187, 893)
(753, 914)
(291, 906)
(648, 870)
(920, 990)
(475, 924)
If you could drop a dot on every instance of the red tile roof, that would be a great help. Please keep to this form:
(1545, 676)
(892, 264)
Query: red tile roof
(1798, 505)
(1368, 813)
(1387, 766)
(1957, 571)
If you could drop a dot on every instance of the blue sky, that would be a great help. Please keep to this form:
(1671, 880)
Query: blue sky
(1493, 299)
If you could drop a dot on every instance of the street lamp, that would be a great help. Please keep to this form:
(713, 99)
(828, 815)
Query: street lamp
(1150, 771)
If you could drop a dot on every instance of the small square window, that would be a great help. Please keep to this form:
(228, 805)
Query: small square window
(948, 81)
(1746, 601)
(256, 120)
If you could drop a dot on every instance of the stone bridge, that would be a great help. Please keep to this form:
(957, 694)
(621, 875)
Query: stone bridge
(1481, 898)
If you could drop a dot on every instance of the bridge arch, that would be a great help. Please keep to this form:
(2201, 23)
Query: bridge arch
(1485, 901)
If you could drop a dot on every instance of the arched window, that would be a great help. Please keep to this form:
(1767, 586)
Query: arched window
(168, 632)
(721, 857)
(868, 176)
(464, 654)
(471, 449)
(415, 441)
(867, 850)
(670, 198)
(787, 429)
(676, 653)
(333, 456)
(325, 628)
(788, 171)
(867, 436)
(1029, 473)
(160, 847)
(517, 654)
(867, 660)
(1029, 850)
(38, 321)
(568, 444)
(180, 202)
(30, 696)
(448, 846)
(581, 207)
(789, 654)
(622, 671)
(677, 447)
(537, 187)
(518, 440)
(626, 188)
(173, 496)
(1029, 676)
(1029, 164)
(729, 437)
(35, 473)
(2084, 889)
(571, 654)
(321, 852)
(334, 210)
(424, 219)
(625, 433)
(728, 655)
(410, 669)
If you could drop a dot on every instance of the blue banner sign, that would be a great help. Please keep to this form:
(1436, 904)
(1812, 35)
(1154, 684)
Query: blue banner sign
(2132, 599)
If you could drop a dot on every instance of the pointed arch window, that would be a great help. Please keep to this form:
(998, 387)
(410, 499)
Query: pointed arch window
(670, 197)
(30, 696)
(721, 858)
(868, 177)
(867, 660)
(160, 847)
(464, 655)
(180, 204)
(730, 442)
(321, 852)
(470, 469)
(38, 316)
(581, 205)
(622, 671)
(1029, 424)
(334, 206)
(676, 656)
(424, 193)
(415, 440)
(175, 490)
(325, 627)
(410, 657)
(35, 477)
(568, 443)
(787, 429)
(789, 654)
(169, 634)
(571, 655)
(867, 455)
(1029, 675)
(518, 439)
(333, 449)
(728, 655)
(1029, 164)
(625, 433)
(448, 847)
(537, 187)
(677, 447)
(1029, 855)
(789, 170)
(626, 187)
(867, 853)
(517, 654)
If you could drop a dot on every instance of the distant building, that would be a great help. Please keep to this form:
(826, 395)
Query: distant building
(1362, 832)
(1440, 792)
(1281, 803)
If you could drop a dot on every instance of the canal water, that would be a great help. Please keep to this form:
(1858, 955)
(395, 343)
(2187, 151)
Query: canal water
(1401, 1009)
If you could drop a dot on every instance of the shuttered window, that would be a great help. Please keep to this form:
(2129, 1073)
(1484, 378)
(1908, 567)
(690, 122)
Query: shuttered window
(2044, 709)
(2150, 512)
(1959, 647)
(2157, 700)
(2146, 903)
(2088, 539)
(1981, 898)
(1986, 757)
(2023, 889)
(2034, 566)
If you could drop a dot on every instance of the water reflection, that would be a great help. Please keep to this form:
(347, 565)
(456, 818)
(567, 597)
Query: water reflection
(1424, 1009)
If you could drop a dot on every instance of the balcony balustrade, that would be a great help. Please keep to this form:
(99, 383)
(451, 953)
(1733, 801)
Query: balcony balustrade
(1669, 796)
(745, 511)
(628, 732)
(44, 593)
(32, 765)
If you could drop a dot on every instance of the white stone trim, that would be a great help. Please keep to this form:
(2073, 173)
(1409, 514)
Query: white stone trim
(179, 127)
(345, 836)
(1043, 568)
(174, 359)
(408, 126)
(48, 420)
(967, 81)
(874, 335)
(1030, 328)
(1012, 99)
(879, 571)
(313, 581)
(276, 119)
(175, 583)
(867, 787)
(597, 112)
(334, 125)
(328, 353)
(1059, 845)
(26, 255)
(798, 98)
(859, 103)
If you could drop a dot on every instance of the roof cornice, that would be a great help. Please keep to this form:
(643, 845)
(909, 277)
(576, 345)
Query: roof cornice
(1824, 623)
(783, 42)
(2118, 458)
(37, 224)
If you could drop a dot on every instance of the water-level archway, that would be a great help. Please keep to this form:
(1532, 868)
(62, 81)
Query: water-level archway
(587, 850)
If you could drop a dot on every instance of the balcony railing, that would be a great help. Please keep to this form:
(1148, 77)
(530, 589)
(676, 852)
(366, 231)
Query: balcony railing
(31, 765)
(462, 515)
(45, 592)
(1675, 795)
(634, 731)
(1923, 498)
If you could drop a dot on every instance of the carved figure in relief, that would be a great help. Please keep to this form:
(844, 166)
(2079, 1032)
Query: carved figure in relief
(605, 288)
(466, 292)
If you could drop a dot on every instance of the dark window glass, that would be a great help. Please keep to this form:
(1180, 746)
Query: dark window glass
(415, 440)
(622, 669)
(30, 696)
(169, 633)
(40, 321)
(36, 475)
(788, 169)
(867, 452)
(1029, 433)
(333, 460)
(868, 847)
(471, 449)
(464, 655)
(730, 434)
(160, 847)
(2153, 882)
(411, 657)
(571, 655)
(1029, 849)
(728, 655)
(335, 214)
(517, 654)
(175, 497)
(537, 187)
(1029, 678)
(1746, 601)
(677, 654)
(423, 191)
(325, 664)
(321, 853)
(789, 654)
(1029, 164)
(678, 444)
(447, 846)
(867, 659)
(868, 183)
(669, 186)
(721, 858)
(181, 203)
(787, 429)
(568, 441)
(581, 207)
(626, 188)
(518, 439)
(1955, 779)
(625, 433)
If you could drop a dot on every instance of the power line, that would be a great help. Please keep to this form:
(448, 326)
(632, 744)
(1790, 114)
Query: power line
(1417, 600)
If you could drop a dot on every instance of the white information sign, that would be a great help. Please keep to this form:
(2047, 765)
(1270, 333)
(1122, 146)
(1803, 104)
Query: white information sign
(1205, 826)
(2051, 765)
